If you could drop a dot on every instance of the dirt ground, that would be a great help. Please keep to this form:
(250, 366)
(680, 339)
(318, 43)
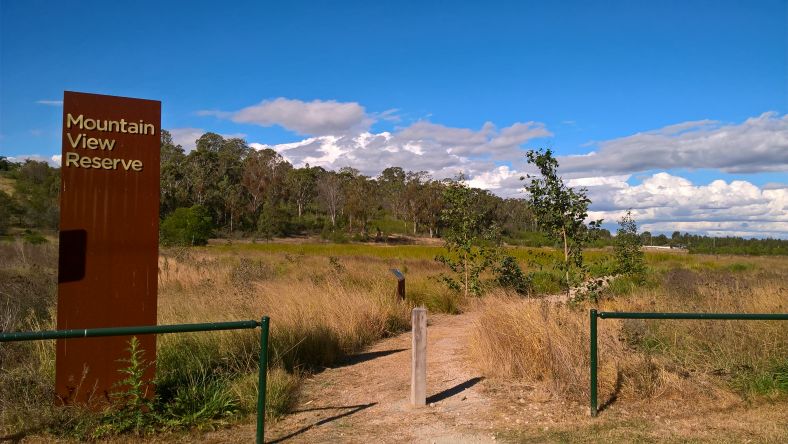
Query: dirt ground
(367, 400)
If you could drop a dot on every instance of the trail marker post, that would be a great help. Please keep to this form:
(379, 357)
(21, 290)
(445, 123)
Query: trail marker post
(418, 384)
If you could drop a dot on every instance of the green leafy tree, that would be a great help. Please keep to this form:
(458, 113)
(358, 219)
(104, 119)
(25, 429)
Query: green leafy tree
(186, 226)
(392, 186)
(627, 247)
(470, 238)
(561, 212)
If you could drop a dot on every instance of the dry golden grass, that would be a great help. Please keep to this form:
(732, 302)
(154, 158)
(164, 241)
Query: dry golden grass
(324, 306)
(350, 300)
(715, 361)
(321, 308)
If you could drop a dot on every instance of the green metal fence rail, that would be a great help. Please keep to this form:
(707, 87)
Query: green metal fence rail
(682, 316)
(160, 329)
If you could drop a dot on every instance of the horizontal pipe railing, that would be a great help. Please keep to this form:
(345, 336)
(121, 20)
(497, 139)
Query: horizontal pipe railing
(699, 316)
(162, 329)
(594, 315)
(125, 331)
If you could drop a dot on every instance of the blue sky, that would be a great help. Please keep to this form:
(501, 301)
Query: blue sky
(583, 76)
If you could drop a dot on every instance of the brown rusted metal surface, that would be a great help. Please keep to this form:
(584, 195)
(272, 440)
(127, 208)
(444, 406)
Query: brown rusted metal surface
(109, 222)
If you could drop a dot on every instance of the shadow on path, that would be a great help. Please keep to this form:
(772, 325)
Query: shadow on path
(448, 393)
(368, 356)
(354, 409)
(614, 395)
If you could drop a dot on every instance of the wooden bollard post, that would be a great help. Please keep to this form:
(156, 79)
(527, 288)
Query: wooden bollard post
(418, 381)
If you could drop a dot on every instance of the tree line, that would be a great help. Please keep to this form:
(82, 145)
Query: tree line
(259, 193)
(718, 245)
(226, 188)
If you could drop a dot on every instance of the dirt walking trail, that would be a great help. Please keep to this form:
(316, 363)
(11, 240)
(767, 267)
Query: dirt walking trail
(366, 399)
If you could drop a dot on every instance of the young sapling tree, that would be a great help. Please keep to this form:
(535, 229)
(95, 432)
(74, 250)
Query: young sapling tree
(561, 212)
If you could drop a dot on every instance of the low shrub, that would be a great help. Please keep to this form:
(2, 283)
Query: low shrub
(510, 275)
(186, 227)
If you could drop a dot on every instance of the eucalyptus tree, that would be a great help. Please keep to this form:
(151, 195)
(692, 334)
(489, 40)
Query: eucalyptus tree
(302, 186)
(264, 174)
(359, 198)
(230, 191)
(173, 182)
(330, 196)
(413, 197)
(432, 196)
(392, 188)
(202, 169)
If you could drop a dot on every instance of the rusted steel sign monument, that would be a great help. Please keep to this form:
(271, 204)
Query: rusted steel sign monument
(109, 231)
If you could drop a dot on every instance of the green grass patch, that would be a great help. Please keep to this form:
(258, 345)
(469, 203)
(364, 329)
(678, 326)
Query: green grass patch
(387, 226)
(624, 285)
(546, 282)
(772, 382)
(739, 267)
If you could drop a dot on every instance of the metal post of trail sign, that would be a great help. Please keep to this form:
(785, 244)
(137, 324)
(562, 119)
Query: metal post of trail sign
(400, 283)
(109, 230)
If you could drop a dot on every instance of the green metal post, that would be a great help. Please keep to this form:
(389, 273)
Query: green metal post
(593, 363)
(261, 383)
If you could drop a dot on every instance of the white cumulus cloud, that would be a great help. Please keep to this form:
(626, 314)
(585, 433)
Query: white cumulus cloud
(423, 146)
(315, 118)
(666, 203)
